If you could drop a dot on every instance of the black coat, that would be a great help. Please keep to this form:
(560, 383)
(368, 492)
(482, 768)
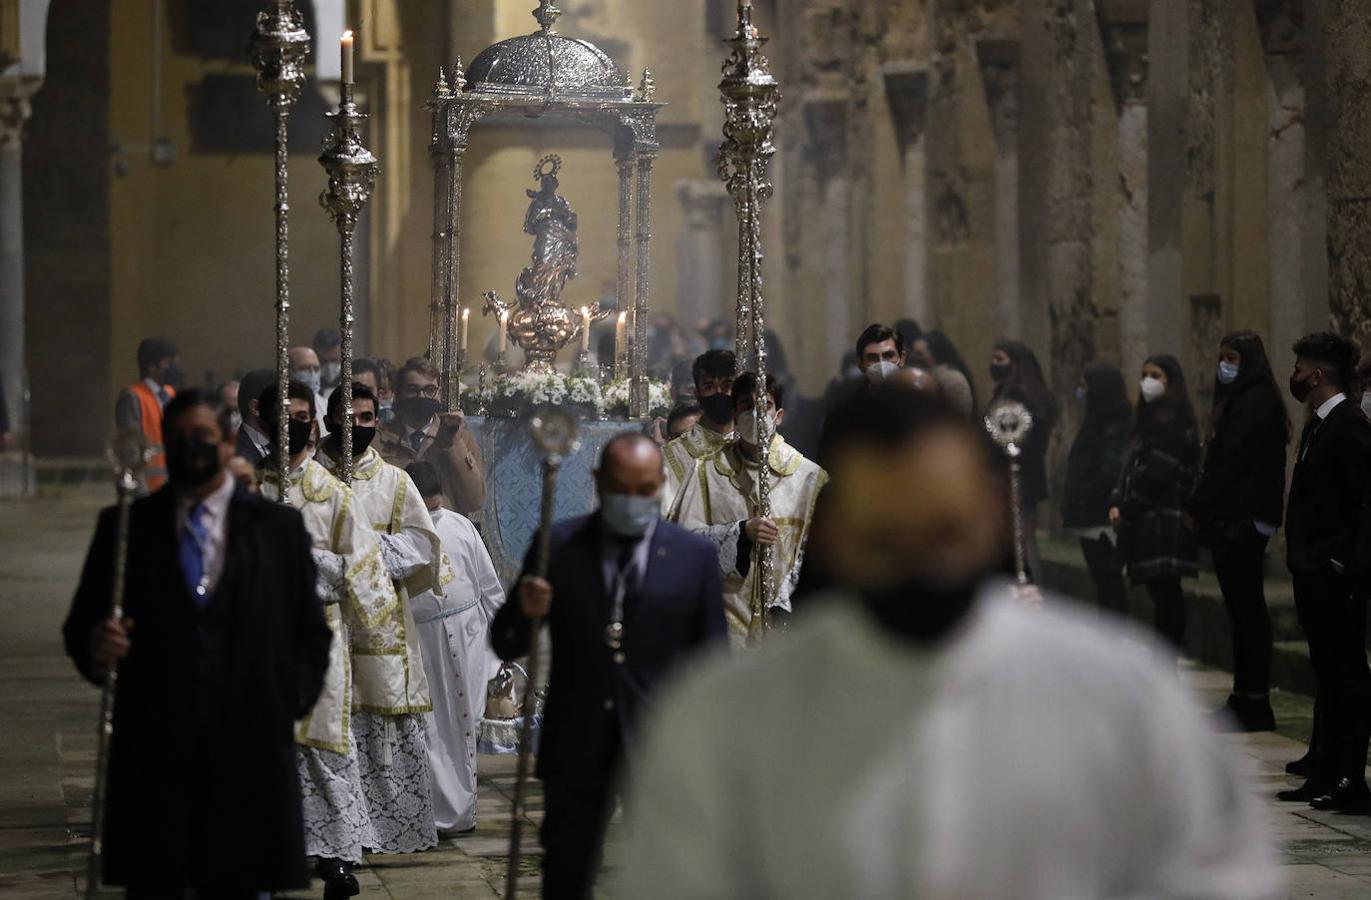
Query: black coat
(1092, 472)
(1243, 479)
(680, 610)
(1162, 467)
(203, 788)
(1327, 516)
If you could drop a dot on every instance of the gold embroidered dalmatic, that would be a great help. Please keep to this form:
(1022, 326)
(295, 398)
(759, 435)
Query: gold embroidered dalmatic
(680, 456)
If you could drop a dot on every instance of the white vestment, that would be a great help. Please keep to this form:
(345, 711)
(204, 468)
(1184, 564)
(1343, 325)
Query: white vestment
(679, 457)
(720, 497)
(1033, 755)
(454, 630)
(390, 689)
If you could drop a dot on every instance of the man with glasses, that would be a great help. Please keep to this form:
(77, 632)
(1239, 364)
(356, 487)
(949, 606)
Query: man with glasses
(421, 430)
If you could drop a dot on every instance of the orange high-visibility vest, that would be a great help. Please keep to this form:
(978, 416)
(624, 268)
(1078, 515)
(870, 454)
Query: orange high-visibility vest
(150, 413)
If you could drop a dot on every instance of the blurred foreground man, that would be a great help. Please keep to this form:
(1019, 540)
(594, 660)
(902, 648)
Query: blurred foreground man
(924, 735)
(626, 598)
(223, 647)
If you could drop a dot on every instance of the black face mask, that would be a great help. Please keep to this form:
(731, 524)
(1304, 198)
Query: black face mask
(362, 436)
(191, 461)
(718, 408)
(172, 376)
(417, 411)
(1300, 388)
(1000, 371)
(919, 611)
(300, 433)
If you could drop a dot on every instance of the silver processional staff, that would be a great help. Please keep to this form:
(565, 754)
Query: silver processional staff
(1009, 424)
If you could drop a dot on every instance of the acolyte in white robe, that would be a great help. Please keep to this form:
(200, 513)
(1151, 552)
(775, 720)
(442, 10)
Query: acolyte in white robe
(718, 500)
(679, 457)
(1032, 755)
(390, 689)
(454, 630)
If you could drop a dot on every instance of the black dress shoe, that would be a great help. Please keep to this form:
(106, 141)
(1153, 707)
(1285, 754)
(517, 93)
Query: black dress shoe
(1347, 796)
(1302, 794)
(339, 882)
(1302, 766)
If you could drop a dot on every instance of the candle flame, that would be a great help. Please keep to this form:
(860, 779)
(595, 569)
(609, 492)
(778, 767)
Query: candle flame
(466, 313)
(623, 317)
(347, 35)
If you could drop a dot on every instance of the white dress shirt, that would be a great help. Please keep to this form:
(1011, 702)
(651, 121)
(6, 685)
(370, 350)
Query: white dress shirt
(215, 519)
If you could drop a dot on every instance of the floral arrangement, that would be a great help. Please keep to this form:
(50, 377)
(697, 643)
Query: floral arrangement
(658, 398)
(518, 393)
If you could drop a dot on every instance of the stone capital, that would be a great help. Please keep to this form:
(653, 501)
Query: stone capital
(826, 121)
(703, 201)
(906, 90)
(999, 64)
(1126, 51)
(15, 109)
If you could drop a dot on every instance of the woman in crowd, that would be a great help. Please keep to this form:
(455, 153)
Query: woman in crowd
(1019, 378)
(1092, 472)
(1237, 507)
(1147, 507)
(934, 351)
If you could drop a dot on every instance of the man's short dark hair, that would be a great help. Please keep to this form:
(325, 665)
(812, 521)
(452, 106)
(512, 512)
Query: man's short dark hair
(153, 350)
(186, 400)
(326, 339)
(876, 333)
(425, 477)
(421, 364)
(745, 385)
(1334, 354)
(269, 406)
(359, 392)
(682, 411)
(713, 364)
(250, 388)
(360, 366)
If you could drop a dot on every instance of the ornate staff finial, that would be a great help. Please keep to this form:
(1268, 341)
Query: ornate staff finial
(459, 78)
(547, 14)
(647, 88)
(441, 91)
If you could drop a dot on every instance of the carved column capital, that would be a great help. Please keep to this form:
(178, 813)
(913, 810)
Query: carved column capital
(999, 63)
(906, 90)
(703, 201)
(15, 109)
(1126, 50)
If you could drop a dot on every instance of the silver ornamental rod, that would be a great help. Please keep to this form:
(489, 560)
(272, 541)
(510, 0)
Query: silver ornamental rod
(279, 46)
(750, 94)
(1009, 424)
(442, 162)
(351, 169)
(129, 455)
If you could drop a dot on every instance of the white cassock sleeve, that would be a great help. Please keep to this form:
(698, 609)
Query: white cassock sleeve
(725, 539)
(330, 571)
(483, 575)
(406, 553)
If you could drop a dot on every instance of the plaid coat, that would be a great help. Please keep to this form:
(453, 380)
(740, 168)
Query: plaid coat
(1158, 478)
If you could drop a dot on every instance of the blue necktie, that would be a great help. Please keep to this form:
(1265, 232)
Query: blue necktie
(191, 552)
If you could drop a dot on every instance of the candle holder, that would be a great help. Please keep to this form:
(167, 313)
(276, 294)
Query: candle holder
(750, 96)
(581, 366)
(501, 362)
(481, 390)
(351, 169)
(279, 45)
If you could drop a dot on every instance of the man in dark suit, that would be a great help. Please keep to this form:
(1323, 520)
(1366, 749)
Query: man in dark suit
(627, 597)
(253, 444)
(1326, 520)
(223, 647)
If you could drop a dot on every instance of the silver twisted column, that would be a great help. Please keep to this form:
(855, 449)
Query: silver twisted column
(279, 46)
(352, 172)
(750, 94)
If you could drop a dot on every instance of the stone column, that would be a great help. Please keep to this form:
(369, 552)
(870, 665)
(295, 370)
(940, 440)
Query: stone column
(14, 112)
(702, 279)
(999, 61)
(1126, 45)
(825, 116)
(906, 88)
(1168, 40)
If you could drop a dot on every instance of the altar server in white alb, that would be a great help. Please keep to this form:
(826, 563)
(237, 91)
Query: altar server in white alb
(454, 628)
(719, 501)
(712, 373)
(923, 733)
(390, 689)
(355, 589)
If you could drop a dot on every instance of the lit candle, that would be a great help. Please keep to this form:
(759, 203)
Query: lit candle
(347, 56)
(504, 317)
(620, 335)
(466, 318)
(585, 329)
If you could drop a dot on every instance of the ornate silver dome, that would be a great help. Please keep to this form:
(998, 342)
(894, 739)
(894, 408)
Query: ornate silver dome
(546, 62)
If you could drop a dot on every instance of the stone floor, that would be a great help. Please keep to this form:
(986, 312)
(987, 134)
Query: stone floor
(47, 752)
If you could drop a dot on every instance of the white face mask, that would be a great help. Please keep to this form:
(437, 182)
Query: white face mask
(747, 425)
(1152, 389)
(880, 371)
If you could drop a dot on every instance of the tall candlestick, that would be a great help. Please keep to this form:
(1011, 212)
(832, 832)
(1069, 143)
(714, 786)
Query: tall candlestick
(347, 57)
(466, 318)
(585, 329)
(504, 318)
(621, 334)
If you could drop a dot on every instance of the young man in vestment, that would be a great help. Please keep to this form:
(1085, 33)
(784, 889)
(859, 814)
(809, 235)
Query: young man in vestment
(719, 501)
(454, 629)
(713, 376)
(355, 589)
(390, 689)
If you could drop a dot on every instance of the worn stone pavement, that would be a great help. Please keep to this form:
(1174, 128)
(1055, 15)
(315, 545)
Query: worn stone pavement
(47, 751)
